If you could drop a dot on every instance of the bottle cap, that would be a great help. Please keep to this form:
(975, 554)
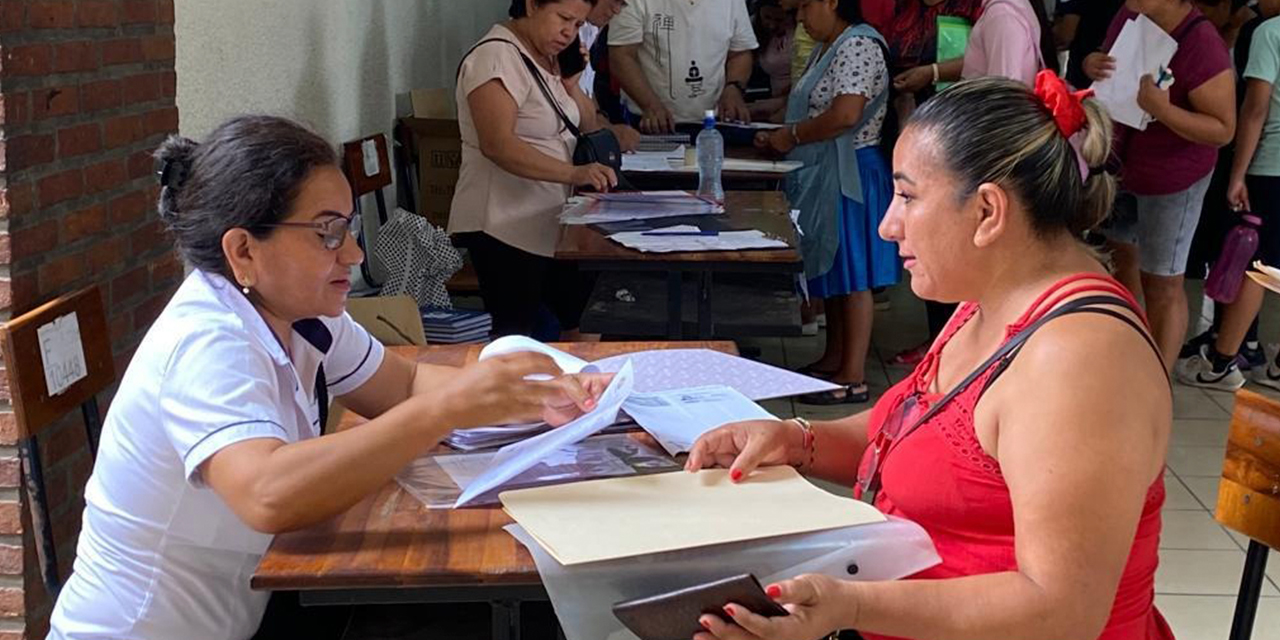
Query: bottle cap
(709, 113)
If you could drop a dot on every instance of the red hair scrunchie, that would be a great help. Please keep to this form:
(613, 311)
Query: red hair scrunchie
(1067, 106)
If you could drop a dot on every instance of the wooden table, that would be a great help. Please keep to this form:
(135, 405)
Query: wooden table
(763, 210)
(389, 548)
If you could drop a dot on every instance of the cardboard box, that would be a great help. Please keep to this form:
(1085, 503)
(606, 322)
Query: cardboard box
(433, 104)
(439, 146)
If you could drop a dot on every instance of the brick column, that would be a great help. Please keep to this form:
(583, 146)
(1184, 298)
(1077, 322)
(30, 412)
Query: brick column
(86, 93)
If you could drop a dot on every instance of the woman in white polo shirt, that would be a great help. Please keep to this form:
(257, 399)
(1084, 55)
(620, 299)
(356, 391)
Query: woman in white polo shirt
(211, 443)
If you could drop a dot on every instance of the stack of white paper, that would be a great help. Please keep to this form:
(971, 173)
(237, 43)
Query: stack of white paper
(653, 160)
(723, 241)
(1142, 48)
(641, 205)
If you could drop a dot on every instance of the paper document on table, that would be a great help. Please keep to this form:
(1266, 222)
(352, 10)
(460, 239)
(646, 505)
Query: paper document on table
(653, 160)
(1142, 48)
(669, 369)
(677, 418)
(671, 239)
(514, 459)
(640, 205)
(626, 517)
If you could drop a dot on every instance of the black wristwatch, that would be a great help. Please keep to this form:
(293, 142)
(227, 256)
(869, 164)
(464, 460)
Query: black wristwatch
(742, 88)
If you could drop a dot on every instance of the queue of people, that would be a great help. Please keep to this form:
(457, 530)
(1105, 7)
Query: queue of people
(1002, 172)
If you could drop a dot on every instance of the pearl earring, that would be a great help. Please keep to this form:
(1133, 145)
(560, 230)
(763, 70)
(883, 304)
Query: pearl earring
(245, 290)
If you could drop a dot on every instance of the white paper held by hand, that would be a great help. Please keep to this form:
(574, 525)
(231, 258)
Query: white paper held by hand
(1142, 48)
(514, 459)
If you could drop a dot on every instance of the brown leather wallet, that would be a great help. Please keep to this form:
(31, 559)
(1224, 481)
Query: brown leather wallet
(674, 615)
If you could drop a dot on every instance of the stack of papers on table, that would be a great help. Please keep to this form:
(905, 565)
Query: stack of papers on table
(673, 239)
(662, 142)
(627, 517)
(636, 205)
(1142, 48)
(653, 160)
(438, 480)
(453, 326)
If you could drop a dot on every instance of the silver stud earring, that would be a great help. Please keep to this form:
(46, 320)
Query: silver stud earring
(245, 290)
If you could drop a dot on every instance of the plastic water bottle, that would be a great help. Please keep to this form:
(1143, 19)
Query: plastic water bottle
(710, 159)
(1223, 283)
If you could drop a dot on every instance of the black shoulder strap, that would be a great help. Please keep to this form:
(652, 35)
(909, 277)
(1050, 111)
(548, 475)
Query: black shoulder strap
(537, 78)
(1009, 349)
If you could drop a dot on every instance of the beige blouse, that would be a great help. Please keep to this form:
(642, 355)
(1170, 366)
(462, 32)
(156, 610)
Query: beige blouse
(519, 212)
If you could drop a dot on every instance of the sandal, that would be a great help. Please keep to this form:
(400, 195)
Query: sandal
(853, 393)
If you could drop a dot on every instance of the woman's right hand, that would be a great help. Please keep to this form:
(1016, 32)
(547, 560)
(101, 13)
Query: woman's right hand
(594, 175)
(1238, 195)
(496, 391)
(743, 446)
(1098, 66)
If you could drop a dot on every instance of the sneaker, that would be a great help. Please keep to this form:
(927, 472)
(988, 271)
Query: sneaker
(1267, 376)
(1191, 348)
(1197, 371)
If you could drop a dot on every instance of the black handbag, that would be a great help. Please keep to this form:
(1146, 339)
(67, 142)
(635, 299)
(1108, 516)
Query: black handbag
(596, 147)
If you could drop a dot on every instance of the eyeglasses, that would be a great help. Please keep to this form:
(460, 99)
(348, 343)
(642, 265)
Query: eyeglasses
(906, 414)
(333, 232)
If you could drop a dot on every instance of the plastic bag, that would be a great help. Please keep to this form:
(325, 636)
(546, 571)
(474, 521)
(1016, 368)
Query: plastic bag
(584, 595)
(953, 39)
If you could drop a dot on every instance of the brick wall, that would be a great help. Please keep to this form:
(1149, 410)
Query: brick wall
(86, 92)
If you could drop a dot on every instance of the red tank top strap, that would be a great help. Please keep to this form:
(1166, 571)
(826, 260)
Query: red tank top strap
(928, 366)
(1069, 287)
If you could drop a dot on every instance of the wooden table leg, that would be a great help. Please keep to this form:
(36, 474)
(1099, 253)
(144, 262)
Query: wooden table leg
(704, 306)
(675, 300)
(505, 617)
(1255, 571)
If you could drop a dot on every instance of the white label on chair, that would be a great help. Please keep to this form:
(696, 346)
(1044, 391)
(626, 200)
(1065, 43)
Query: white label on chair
(62, 353)
(369, 149)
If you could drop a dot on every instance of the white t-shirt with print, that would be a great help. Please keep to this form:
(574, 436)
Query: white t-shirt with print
(685, 44)
(160, 555)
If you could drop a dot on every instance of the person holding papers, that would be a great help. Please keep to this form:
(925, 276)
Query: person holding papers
(517, 170)
(1037, 473)
(835, 112)
(1167, 167)
(213, 442)
(1254, 187)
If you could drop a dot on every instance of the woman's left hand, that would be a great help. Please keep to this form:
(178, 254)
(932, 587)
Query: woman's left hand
(817, 605)
(1151, 98)
(579, 395)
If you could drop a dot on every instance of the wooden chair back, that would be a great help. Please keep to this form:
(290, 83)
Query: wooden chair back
(70, 325)
(393, 320)
(368, 177)
(1249, 495)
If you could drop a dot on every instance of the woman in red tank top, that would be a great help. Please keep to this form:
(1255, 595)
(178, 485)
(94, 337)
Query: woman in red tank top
(1037, 471)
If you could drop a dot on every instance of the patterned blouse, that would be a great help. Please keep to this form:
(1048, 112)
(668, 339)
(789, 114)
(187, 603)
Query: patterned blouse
(859, 68)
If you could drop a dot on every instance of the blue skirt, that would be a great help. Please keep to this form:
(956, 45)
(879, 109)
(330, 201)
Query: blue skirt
(864, 260)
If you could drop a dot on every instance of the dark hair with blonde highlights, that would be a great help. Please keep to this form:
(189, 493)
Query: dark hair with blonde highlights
(995, 130)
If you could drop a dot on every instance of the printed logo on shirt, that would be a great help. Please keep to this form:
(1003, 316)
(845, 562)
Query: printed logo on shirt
(694, 80)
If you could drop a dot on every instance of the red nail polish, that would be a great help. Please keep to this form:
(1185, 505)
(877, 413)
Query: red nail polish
(774, 591)
(735, 475)
(729, 610)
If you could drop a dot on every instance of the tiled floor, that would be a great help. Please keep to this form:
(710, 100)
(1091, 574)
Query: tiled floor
(1200, 561)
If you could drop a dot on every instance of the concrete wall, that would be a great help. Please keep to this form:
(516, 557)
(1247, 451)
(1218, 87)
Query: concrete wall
(343, 66)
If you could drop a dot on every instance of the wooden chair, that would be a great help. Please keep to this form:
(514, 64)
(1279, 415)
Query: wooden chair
(36, 410)
(1249, 496)
(362, 182)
